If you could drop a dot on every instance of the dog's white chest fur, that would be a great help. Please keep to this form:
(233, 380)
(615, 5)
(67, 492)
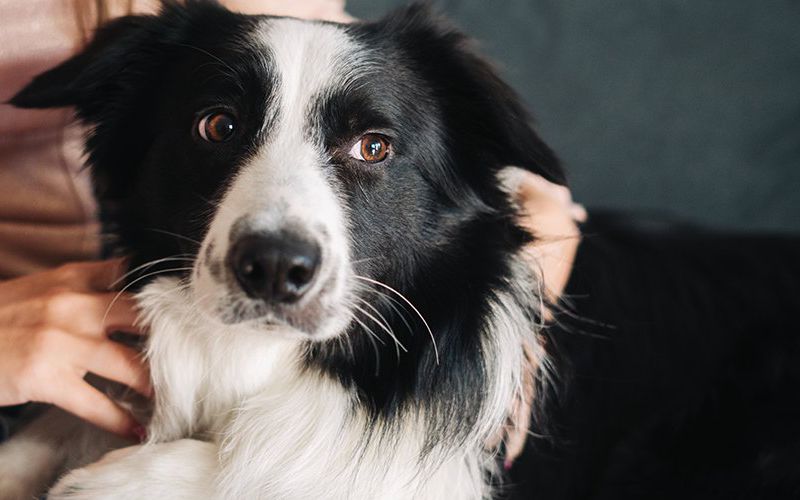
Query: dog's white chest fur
(280, 432)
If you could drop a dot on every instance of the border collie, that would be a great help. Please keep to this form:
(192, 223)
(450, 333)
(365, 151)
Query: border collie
(326, 253)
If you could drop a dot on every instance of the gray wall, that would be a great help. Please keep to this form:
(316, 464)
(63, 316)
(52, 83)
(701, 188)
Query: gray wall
(686, 107)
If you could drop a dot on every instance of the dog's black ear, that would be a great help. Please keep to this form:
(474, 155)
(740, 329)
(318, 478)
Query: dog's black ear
(477, 103)
(111, 85)
(90, 79)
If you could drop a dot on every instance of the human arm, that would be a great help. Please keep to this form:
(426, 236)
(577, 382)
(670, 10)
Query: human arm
(550, 215)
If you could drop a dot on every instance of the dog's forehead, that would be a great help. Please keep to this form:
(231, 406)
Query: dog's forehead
(309, 59)
(281, 181)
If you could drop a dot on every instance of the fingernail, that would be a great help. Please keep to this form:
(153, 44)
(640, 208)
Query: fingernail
(507, 464)
(140, 433)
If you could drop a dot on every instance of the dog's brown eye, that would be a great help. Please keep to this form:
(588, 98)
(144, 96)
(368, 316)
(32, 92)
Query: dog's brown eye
(217, 127)
(372, 148)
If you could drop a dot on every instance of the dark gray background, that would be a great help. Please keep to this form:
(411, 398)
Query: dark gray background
(686, 107)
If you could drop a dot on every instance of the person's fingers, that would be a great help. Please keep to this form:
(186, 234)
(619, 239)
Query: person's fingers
(535, 185)
(122, 313)
(113, 361)
(547, 209)
(81, 399)
(534, 191)
(91, 314)
(101, 275)
(548, 213)
(97, 276)
(24, 288)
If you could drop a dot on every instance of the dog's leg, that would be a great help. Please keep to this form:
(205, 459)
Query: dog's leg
(183, 469)
(32, 459)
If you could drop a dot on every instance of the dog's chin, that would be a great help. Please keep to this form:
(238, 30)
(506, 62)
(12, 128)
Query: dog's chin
(316, 320)
(284, 329)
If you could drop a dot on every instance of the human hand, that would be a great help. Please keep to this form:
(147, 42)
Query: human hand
(549, 213)
(54, 328)
(551, 216)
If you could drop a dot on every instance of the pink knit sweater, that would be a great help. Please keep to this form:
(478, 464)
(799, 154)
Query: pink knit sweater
(46, 208)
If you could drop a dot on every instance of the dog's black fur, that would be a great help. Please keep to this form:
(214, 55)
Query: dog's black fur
(678, 360)
(676, 352)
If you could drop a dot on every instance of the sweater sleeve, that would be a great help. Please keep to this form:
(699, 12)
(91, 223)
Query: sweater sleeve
(47, 214)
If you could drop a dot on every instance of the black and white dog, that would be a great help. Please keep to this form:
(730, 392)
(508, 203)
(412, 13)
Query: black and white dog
(331, 270)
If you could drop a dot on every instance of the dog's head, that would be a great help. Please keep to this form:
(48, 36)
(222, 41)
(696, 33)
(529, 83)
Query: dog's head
(298, 164)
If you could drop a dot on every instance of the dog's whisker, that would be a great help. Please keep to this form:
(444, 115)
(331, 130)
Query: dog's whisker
(398, 344)
(382, 318)
(413, 307)
(148, 265)
(348, 341)
(375, 310)
(375, 349)
(176, 235)
(393, 304)
(369, 331)
(129, 285)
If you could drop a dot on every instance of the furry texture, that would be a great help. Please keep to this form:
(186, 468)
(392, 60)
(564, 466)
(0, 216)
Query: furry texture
(401, 361)
(671, 371)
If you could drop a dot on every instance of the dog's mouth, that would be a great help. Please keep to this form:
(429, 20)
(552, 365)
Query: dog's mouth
(315, 318)
(236, 309)
(277, 284)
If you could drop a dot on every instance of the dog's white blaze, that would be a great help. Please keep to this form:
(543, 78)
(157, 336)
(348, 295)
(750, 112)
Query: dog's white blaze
(286, 184)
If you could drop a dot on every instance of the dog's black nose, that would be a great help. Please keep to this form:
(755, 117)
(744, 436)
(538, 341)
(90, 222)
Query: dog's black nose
(276, 268)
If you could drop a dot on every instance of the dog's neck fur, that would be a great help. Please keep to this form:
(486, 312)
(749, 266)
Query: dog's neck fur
(291, 423)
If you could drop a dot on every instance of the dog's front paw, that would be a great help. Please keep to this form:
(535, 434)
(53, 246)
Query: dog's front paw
(110, 477)
(178, 470)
